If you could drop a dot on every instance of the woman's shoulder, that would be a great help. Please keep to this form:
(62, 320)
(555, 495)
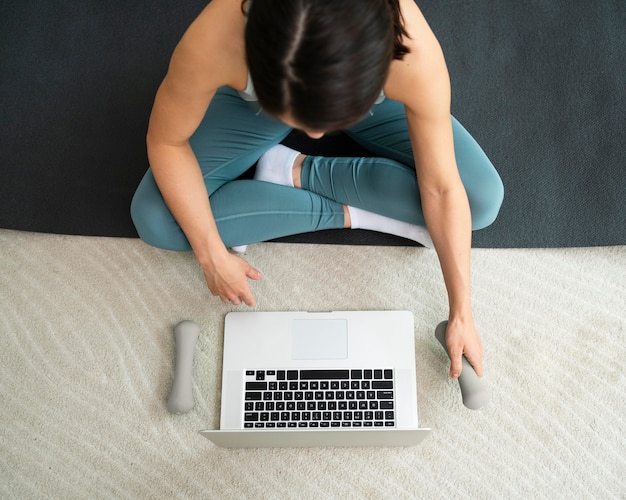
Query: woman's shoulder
(214, 45)
(423, 66)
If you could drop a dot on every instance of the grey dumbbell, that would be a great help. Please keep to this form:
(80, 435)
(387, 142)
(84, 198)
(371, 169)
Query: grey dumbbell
(181, 397)
(473, 391)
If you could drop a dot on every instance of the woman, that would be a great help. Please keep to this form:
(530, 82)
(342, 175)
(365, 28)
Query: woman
(244, 75)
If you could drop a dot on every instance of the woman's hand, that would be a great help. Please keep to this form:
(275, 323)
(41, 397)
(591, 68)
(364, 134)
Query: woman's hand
(227, 278)
(462, 339)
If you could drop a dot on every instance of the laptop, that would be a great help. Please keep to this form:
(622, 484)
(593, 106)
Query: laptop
(317, 379)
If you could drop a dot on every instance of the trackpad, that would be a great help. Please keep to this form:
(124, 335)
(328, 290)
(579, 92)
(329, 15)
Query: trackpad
(319, 339)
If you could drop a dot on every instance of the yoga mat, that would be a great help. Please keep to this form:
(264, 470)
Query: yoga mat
(540, 85)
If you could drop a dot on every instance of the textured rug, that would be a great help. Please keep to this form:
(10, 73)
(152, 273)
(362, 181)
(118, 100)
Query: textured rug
(87, 351)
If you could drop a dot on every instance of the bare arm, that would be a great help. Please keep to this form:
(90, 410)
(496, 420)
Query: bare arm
(422, 83)
(203, 60)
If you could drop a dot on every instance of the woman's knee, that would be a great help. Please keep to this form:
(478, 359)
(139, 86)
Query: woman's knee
(485, 198)
(153, 221)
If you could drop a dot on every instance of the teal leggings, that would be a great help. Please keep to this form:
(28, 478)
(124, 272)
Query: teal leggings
(232, 137)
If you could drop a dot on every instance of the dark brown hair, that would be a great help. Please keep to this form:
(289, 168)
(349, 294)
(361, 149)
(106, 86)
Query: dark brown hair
(323, 62)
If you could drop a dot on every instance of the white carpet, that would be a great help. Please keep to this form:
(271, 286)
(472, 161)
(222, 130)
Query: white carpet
(86, 360)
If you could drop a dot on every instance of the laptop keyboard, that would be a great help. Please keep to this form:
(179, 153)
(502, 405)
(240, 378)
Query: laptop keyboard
(319, 399)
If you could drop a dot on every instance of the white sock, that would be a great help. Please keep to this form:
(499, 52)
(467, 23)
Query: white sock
(239, 249)
(276, 165)
(360, 219)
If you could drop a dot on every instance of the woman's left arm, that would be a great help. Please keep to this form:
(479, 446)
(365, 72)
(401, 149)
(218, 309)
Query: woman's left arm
(420, 80)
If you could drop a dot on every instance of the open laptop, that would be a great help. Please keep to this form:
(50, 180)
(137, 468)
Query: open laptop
(300, 379)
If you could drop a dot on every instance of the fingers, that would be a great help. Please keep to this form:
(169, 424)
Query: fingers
(231, 285)
(254, 274)
(476, 362)
(456, 364)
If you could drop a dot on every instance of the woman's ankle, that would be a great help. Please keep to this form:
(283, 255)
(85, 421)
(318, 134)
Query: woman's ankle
(296, 171)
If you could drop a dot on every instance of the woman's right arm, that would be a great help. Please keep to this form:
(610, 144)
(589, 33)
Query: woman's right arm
(195, 72)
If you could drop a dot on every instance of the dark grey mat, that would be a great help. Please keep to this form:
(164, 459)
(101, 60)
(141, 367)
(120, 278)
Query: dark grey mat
(541, 85)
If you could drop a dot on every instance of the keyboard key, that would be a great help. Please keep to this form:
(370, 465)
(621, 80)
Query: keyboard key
(357, 374)
(324, 374)
(253, 396)
(256, 386)
(388, 374)
(382, 384)
(292, 375)
(384, 394)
